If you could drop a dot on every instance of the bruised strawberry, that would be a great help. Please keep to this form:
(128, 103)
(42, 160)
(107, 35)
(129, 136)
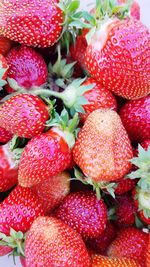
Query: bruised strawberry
(24, 115)
(83, 212)
(5, 136)
(26, 67)
(50, 242)
(130, 243)
(135, 116)
(101, 261)
(103, 149)
(53, 190)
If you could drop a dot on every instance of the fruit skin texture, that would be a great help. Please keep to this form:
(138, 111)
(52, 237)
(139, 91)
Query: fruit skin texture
(26, 67)
(101, 243)
(114, 61)
(45, 155)
(84, 213)
(98, 97)
(8, 168)
(5, 136)
(53, 190)
(148, 253)
(130, 243)
(33, 23)
(24, 115)
(135, 116)
(124, 185)
(103, 149)
(5, 45)
(19, 210)
(101, 261)
(50, 242)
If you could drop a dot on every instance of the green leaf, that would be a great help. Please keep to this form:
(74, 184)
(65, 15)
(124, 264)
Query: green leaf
(74, 5)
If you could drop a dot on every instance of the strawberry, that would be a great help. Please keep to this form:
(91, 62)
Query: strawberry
(50, 242)
(148, 254)
(9, 164)
(83, 212)
(101, 243)
(135, 116)
(26, 67)
(5, 45)
(130, 243)
(19, 210)
(101, 261)
(4, 250)
(23, 262)
(98, 97)
(48, 154)
(3, 70)
(112, 57)
(124, 185)
(5, 136)
(134, 9)
(101, 160)
(31, 24)
(125, 211)
(24, 115)
(53, 190)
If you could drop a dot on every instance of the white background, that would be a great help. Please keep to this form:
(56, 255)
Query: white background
(145, 16)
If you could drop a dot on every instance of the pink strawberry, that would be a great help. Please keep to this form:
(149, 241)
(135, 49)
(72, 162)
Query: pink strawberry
(53, 190)
(4, 250)
(24, 115)
(23, 261)
(135, 116)
(5, 136)
(26, 67)
(83, 212)
(50, 242)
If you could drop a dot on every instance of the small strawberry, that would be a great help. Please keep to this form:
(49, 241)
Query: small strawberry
(48, 154)
(124, 185)
(101, 261)
(53, 190)
(24, 115)
(19, 210)
(112, 57)
(5, 136)
(83, 212)
(26, 67)
(5, 250)
(101, 243)
(103, 150)
(135, 116)
(5, 45)
(130, 243)
(50, 242)
(9, 165)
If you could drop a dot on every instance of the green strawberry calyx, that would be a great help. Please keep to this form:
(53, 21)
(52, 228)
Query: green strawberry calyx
(15, 240)
(143, 198)
(2, 73)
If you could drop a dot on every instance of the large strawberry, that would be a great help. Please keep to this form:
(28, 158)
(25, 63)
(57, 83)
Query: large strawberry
(48, 154)
(101, 261)
(103, 149)
(84, 212)
(53, 190)
(118, 53)
(50, 242)
(135, 116)
(5, 136)
(26, 67)
(130, 243)
(24, 115)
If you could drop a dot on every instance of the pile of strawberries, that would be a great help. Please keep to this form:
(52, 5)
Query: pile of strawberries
(74, 134)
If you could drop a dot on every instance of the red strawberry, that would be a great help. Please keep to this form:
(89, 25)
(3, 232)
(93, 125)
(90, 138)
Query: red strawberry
(23, 261)
(50, 242)
(5, 45)
(145, 144)
(124, 185)
(53, 190)
(19, 210)
(31, 23)
(101, 261)
(117, 56)
(83, 212)
(125, 211)
(103, 150)
(26, 67)
(8, 167)
(4, 250)
(24, 115)
(3, 70)
(130, 243)
(5, 136)
(46, 155)
(148, 253)
(135, 116)
(134, 9)
(101, 243)
(98, 97)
